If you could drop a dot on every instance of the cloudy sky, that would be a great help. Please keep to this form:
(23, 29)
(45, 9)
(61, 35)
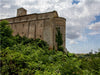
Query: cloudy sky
(82, 19)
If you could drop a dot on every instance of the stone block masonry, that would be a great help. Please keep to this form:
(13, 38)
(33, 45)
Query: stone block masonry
(42, 26)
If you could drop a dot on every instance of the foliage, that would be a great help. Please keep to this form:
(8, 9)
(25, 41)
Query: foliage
(33, 57)
(92, 63)
(59, 40)
(5, 35)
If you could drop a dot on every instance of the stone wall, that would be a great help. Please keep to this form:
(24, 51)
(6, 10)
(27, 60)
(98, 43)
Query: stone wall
(60, 23)
(32, 29)
(42, 26)
(48, 32)
(20, 28)
(39, 29)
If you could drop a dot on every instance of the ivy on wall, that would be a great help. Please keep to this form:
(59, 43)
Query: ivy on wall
(59, 40)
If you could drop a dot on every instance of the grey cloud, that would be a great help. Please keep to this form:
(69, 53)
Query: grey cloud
(73, 32)
(31, 2)
(7, 1)
(77, 16)
(7, 12)
(73, 35)
(95, 28)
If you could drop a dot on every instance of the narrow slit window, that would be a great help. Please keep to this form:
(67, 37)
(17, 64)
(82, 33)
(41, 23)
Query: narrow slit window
(23, 25)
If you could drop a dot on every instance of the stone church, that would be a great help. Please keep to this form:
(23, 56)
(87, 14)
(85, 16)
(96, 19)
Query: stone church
(42, 26)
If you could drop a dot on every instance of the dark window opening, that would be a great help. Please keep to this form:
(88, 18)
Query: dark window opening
(22, 32)
(58, 28)
(15, 26)
(23, 25)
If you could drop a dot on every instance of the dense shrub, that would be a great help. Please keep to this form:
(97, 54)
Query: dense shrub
(23, 56)
(5, 35)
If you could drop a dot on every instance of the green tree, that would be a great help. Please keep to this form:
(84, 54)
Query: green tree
(5, 35)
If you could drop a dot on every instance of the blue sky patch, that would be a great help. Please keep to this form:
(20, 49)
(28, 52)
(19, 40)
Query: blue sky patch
(75, 2)
(97, 19)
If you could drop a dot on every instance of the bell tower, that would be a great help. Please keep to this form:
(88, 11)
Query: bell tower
(21, 12)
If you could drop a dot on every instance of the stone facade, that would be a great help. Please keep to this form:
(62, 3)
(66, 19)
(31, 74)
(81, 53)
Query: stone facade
(42, 26)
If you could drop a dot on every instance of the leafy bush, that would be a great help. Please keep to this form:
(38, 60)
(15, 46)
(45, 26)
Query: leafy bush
(92, 64)
(23, 56)
(5, 35)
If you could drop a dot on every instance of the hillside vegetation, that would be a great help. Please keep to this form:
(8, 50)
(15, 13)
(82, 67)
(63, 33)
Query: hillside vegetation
(23, 56)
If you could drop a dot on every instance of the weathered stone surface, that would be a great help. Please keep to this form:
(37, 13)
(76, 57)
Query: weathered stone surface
(42, 26)
(32, 30)
(48, 32)
(21, 12)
